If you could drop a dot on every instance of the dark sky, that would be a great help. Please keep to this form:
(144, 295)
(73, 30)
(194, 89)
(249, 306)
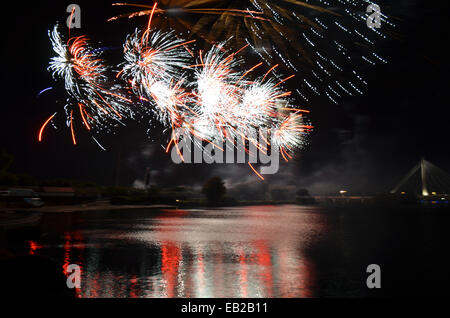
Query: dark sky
(365, 144)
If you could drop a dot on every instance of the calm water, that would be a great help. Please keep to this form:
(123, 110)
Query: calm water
(263, 251)
(230, 252)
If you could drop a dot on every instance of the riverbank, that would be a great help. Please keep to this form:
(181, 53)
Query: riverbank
(106, 205)
(94, 206)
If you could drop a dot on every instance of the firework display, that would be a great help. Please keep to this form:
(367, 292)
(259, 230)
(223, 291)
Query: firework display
(230, 106)
(92, 98)
(328, 42)
(214, 94)
(153, 66)
(212, 99)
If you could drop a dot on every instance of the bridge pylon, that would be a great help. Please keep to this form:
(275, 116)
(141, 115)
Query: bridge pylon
(432, 179)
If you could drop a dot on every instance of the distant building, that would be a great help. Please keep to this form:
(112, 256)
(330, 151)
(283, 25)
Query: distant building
(56, 192)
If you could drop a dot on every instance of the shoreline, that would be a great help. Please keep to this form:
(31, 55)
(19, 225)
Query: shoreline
(97, 206)
(107, 206)
(12, 218)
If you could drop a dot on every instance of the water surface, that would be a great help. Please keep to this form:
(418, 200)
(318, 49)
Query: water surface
(255, 251)
(227, 252)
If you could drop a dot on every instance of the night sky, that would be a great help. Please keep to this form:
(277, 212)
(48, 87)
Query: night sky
(365, 144)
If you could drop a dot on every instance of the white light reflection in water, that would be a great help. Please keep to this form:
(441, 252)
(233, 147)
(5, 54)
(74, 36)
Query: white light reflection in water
(230, 252)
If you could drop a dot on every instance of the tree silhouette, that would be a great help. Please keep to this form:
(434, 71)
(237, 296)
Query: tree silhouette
(7, 178)
(303, 197)
(214, 190)
(6, 160)
(302, 193)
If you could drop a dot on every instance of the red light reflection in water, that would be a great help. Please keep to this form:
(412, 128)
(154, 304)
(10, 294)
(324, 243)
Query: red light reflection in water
(171, 256)
(263, 258)
(72, 240)
(34, 246)
(171, 213)
(170, 263)
(134, 290)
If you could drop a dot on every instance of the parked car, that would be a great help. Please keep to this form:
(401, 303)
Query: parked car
(4, 193)
(22, 198)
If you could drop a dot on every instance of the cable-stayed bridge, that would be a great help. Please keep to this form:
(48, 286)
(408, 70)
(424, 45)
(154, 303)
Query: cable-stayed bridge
(425, 180)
